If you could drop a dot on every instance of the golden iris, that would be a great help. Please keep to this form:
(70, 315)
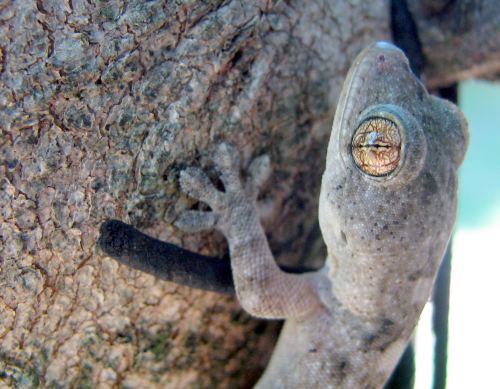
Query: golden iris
(376, 146)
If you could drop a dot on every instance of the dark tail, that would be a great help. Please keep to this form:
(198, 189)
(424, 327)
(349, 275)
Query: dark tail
(164, 260)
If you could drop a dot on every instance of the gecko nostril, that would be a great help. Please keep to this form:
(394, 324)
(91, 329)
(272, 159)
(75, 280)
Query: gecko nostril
(343, 237)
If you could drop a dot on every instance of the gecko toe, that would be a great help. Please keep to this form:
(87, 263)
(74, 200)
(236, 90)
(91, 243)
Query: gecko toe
(196, 184)
(226, 157)
(259, 170)
(195, 221)
(227, 162)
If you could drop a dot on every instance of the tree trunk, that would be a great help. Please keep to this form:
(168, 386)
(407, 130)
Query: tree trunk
(102, 104)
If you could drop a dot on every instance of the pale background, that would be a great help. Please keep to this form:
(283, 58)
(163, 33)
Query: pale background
(474, 341)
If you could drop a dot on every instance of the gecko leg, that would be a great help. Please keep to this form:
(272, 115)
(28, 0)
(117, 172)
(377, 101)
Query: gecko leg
(263, 289)
(167, 261)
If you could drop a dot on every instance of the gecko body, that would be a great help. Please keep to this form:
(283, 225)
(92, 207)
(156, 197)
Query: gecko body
(387, 207)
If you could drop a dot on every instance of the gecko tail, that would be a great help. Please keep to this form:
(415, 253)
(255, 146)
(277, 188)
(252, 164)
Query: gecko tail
(164, 260)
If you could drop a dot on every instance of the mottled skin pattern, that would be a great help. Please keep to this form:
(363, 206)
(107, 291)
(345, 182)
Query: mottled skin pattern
(348, 323)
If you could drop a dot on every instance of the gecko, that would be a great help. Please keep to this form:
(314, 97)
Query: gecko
(386, 211)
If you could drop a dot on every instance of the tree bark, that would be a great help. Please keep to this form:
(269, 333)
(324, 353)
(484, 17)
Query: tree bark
(460, 39)
(102, 104)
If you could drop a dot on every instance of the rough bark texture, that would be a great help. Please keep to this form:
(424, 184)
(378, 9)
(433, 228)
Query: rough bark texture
(102, 104)
(460, 38)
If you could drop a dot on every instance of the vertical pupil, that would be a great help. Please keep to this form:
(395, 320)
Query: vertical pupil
(376, 146)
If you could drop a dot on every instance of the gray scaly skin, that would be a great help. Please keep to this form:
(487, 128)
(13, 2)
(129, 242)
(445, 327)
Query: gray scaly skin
(348, 323)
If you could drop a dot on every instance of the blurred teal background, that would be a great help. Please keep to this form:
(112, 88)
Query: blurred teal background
(475, 267)
(474, 317)
(479, 195)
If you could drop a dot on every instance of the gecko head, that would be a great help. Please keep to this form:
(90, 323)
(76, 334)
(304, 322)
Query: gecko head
(388, 196)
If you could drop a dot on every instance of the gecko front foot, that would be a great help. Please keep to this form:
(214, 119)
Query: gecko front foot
(227, 207)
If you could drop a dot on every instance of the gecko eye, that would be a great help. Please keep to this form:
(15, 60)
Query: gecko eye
(376, 146)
